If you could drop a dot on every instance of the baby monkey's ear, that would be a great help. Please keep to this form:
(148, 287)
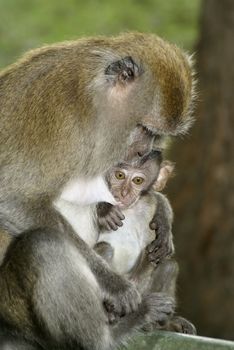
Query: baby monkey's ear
(122, 71)
(165, 172)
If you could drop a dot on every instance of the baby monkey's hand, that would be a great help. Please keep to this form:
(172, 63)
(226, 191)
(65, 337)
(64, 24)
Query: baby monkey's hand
(109, 217)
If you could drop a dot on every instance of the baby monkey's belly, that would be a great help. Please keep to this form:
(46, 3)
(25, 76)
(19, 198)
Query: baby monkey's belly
(131, 239)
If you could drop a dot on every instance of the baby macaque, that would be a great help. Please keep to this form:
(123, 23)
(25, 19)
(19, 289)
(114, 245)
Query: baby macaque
(133, 184)
(130, 246)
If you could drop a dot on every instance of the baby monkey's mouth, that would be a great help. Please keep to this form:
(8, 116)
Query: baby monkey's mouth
(127, 204)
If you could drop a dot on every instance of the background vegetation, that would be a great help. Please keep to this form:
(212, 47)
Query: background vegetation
(26, 24)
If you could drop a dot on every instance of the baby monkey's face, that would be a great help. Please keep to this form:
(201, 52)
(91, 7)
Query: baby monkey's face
(127, 182)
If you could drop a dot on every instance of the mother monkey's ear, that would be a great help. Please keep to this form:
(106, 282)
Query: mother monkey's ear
(123, 71)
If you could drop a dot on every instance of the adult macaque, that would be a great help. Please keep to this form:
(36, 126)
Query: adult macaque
(67, 112)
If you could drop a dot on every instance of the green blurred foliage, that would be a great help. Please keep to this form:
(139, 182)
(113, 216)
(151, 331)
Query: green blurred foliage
(26, 24)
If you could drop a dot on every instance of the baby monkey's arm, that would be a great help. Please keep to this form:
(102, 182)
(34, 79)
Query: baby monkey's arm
(162, 219)
(163, 243)
(109, 217)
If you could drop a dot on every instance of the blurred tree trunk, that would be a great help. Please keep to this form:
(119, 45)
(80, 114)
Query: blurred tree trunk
(202, 193)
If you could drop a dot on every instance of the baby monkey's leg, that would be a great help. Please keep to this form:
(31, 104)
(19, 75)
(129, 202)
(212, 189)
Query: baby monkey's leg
(105, 250)
(164, 279)
(161, 278)
(155, 307)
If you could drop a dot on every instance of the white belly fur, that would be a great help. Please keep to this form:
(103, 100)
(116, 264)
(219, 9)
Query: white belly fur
(130, 239)
(84, 191)
(81, 218)
(77, 204)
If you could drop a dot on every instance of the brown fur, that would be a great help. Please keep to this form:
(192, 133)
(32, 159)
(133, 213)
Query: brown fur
(5, 240)
(55, 116)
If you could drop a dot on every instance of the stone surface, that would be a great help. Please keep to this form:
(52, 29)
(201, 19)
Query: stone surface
(173, 341)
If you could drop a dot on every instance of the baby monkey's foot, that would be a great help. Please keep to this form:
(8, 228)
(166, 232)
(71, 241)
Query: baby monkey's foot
(109, 217)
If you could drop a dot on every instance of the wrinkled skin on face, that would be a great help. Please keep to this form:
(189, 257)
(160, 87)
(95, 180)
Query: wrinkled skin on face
(127, 181)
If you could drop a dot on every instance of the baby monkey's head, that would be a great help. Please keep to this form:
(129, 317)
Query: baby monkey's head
(128, 180)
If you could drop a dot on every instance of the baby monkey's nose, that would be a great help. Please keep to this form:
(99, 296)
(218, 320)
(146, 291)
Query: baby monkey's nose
(124, 192)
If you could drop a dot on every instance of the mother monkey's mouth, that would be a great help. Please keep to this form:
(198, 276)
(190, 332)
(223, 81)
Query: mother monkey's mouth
(141, 141)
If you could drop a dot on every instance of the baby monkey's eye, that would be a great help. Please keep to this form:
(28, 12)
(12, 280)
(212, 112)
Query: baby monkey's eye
(138, 180)
(119, 175)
